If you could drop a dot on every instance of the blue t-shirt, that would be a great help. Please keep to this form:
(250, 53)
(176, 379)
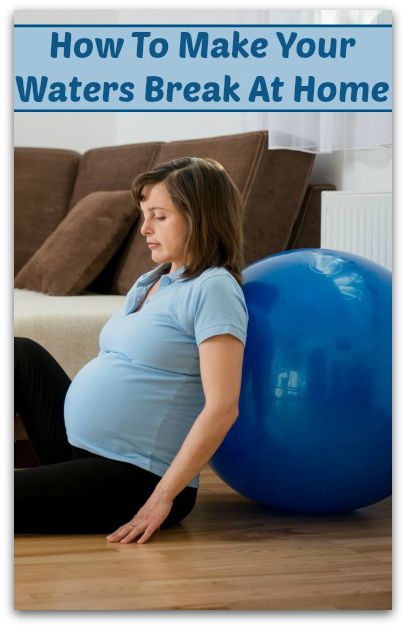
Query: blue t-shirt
(137, 400)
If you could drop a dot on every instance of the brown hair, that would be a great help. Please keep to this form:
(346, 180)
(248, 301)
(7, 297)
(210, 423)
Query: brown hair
(210, 201)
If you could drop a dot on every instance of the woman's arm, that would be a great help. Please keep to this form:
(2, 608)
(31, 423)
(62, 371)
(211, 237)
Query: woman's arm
(221, 360)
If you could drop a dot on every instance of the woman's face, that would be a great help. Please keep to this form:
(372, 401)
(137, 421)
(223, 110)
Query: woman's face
(164, 227)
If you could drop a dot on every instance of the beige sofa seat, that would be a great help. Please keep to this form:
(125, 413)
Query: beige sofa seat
(68, 327)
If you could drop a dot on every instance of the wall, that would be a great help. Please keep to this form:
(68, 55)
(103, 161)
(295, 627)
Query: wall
(356, 171)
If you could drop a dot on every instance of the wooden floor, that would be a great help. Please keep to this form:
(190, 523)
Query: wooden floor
(228, 554)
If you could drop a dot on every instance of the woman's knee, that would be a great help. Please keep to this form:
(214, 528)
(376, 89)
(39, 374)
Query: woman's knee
(24, 346)
(29, 357)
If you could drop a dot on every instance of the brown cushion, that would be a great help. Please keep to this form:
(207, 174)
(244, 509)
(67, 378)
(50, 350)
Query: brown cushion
(82, 244)
(236, 153)
(278, 185)
(43, 184)
(112, 168)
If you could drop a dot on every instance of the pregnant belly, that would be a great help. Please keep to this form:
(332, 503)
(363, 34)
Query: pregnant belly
(113, 401)
(117, 406)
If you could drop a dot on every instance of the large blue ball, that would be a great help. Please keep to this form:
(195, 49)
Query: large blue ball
(314, 428)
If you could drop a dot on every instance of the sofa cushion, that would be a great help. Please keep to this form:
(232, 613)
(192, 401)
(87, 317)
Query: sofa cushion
(237, 153)
(274, 200)
(72, 256)
(272, 183)
(43, 184)
(112, 168)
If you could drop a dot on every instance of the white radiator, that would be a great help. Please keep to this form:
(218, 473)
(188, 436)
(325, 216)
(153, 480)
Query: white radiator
(358, 223)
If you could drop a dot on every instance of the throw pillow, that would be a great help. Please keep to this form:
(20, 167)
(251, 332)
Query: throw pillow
(82, 244)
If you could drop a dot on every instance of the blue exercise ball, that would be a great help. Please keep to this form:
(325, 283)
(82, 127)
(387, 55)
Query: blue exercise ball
(313, 433)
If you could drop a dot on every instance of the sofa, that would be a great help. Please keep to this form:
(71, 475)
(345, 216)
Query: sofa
(78, 247)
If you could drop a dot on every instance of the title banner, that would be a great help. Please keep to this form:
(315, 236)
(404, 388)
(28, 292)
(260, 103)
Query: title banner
(169, 67)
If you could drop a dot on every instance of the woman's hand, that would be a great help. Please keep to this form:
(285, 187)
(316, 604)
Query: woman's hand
(145, 522)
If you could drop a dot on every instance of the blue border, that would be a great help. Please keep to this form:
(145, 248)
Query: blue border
(201, 110)
(205, 25)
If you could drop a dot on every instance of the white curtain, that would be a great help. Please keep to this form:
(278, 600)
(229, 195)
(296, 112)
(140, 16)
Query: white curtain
(326, 132)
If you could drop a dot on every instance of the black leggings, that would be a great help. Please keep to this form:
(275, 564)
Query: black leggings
(73, 490)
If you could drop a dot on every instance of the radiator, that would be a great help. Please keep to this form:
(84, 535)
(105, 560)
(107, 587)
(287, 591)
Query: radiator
(358, 223)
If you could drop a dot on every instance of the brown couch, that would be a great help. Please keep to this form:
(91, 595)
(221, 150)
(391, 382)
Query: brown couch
(282, 210)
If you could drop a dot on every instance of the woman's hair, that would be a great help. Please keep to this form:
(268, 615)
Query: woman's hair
(205, 194)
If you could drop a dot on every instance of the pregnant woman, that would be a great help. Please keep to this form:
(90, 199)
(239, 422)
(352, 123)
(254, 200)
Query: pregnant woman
(121, 446)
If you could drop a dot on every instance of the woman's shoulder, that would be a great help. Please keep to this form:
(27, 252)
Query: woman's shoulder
(219, 301)
(217, 274)
(218, 283)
